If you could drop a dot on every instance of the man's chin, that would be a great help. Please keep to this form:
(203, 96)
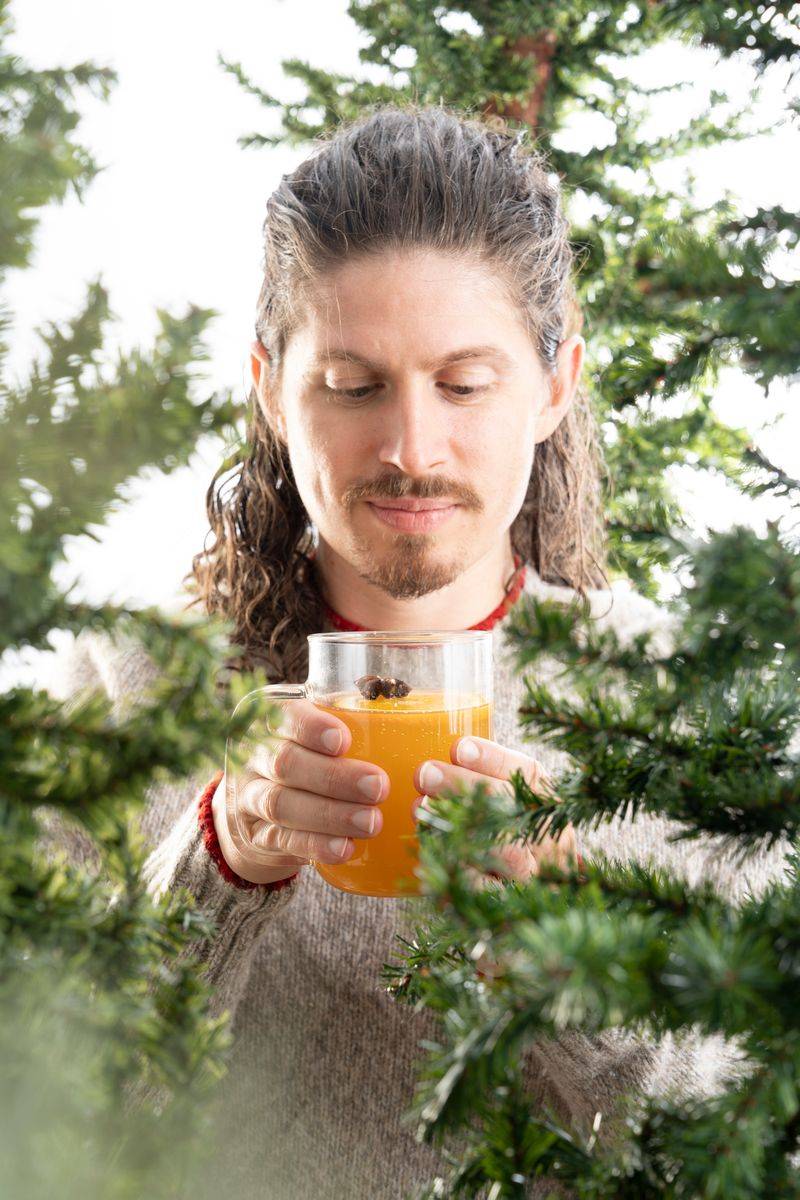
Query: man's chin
(412, 568)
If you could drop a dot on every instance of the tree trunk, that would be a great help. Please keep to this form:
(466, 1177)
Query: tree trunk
(540, 47)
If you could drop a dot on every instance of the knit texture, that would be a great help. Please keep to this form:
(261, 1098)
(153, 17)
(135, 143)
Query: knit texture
(322, 1068)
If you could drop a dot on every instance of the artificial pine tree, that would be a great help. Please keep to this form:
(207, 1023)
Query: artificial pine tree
(705, 733)
(99, 1003)
(671, 289)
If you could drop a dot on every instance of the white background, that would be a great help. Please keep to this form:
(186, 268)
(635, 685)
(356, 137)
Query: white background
(175, 218)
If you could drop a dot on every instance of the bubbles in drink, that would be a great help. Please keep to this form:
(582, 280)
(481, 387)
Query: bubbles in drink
(398, 732)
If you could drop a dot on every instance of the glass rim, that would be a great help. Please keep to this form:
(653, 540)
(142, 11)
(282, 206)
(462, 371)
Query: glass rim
(431, 637)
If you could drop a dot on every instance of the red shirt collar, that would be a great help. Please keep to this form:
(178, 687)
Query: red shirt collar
(510, 598)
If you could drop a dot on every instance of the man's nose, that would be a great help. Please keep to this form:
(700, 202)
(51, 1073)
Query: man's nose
(414, 431)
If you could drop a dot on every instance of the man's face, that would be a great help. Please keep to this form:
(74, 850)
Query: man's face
(458, 434)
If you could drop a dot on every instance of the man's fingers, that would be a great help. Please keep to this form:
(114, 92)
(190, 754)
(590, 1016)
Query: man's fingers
(286, 761)
(489, 758)
(296, 808)
(303, 722)
(304, 844)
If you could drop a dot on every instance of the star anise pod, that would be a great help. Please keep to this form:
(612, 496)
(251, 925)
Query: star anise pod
(370, 686)
(392, 688)
(373, 686)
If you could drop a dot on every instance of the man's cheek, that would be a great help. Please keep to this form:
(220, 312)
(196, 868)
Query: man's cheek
(312, 472)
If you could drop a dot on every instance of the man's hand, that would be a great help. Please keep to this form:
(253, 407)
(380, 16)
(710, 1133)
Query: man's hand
(476, 759)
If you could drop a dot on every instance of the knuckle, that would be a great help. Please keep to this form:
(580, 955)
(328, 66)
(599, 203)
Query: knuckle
(331, 777)
(304, 725)
(335, 818)
(248, 794)
(533, 773)
(495, 760)
(265, 837)
(273, 839)
(317, 815)
(283, 758)
(270, 800)
(318, 847)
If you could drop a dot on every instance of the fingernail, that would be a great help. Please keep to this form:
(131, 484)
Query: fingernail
(365, 819)
(332, 740)
(467, 751)
(430, 776)
(370, 786)
(420, 802)
(337, 845)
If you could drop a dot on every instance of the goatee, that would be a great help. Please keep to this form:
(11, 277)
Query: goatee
(409, 570)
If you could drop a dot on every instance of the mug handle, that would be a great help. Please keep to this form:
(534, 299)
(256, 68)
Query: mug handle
(282, 691)
(272, 691)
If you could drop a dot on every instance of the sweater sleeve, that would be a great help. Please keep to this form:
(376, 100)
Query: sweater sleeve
(176, 826)
(238, 908)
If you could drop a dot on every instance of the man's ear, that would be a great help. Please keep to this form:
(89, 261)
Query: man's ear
(563, 384)
(269, 403)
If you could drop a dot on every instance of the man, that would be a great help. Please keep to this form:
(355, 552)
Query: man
(411, 416)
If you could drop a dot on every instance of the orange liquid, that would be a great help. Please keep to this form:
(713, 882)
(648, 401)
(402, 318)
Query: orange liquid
(398, 735)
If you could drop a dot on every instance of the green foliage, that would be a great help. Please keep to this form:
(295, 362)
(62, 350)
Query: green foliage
(107, 1043)
(671, 290)
(698, 722)
(106, 1038)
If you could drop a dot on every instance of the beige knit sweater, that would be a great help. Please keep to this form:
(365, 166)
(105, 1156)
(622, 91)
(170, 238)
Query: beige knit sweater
(323, 1060)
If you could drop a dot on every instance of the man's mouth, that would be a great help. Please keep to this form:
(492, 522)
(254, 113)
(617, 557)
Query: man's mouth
(412, 504)
(411, 514)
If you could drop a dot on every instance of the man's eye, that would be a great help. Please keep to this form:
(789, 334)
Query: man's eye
(352, 393)
(361, 393)
(461, 389)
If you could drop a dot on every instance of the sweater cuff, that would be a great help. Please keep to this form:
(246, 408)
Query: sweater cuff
(211, 842)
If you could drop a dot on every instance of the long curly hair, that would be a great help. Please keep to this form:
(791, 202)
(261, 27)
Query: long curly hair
(402, 176)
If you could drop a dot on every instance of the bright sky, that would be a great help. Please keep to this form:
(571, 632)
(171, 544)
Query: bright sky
(175, 218)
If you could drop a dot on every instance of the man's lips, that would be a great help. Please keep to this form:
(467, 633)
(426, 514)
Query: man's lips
(412, 504)
(411, 514)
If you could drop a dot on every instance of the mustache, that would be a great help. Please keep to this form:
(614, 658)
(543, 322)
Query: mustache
(396, 487)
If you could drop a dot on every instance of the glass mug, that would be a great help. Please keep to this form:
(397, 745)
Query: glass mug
(405, 697)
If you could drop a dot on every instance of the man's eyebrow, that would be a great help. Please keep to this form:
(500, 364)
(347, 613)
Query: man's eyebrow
(466, 352)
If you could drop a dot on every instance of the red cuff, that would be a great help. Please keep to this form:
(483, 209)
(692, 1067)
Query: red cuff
(211, 843)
